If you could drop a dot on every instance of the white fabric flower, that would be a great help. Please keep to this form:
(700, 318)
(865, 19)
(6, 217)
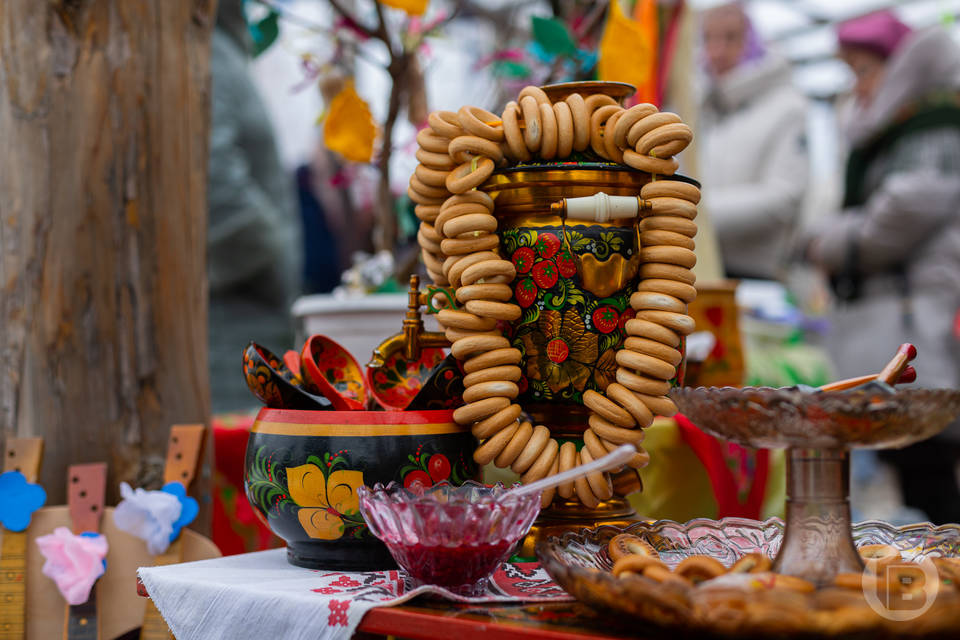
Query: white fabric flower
(148, 515)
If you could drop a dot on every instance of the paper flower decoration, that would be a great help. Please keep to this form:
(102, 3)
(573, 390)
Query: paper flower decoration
(412, 7)
(74, 562)
(188, 507)
(349, 128)
(20, 500)
(149, 515)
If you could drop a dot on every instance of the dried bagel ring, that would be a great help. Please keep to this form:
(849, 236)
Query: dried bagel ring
(641, 384)
(631, 117)
(438, 161)
(598, 119)
(510, 372)
(599, 482)
(592, 442)
(516, 147)
(645, 365)
(658, 166)
(470, 413)
(533, 131)
(699, 569)
(606, 408)
(679, 322)
(564, 117)
(655, 237)
(649, 300)
(878, 556)
(653, 348)
(432, 263)
(659, 405)
(464, 320)
(489, 450)
(470, 223)
(668, 223)
(466, 148)
(445, 124)
(497, 422)
(639, 460)
(479, 122)
(427, 213)
(462, 246)
(420, 198)
(583, 492)
(492, 389)
(653, 331)
(751, 563)
(453, 334)
(519, 440)
(648, 124)
(550, 136)
(670, 189)
(662, 135)
(466, 176)
(534, 92)
(451, 213)
(494, 358)
(496, 310)
(629, 401)
(636, 563)
(626, 544)
(581, 121)
(680, 290)
(470, 197)
(667, 149)
(660, 270)
(488, 269)
(457, 268)
(428, 244)
(618, 435)
(666, 206)
(430, 141)
(613, 152)
(430, 233)
(437, 277)
(497, 292)
(542, 465)
(597, 100)
(568, 460)
(533, 448)
(431, 177)
(547, 496)
(469, 346)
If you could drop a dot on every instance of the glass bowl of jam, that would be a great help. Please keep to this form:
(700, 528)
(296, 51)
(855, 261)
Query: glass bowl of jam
(451, 537)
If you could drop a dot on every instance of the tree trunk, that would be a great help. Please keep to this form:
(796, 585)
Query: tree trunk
(103, 302)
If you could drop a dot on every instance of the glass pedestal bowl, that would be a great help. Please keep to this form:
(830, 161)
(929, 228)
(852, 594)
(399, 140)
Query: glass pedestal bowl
(818, 429)
(451, 537)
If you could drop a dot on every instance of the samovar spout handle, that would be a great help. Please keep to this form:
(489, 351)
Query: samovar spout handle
(601, 207)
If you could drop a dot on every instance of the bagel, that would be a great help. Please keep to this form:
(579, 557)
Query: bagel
(510, 452)
(670, 189)
(478, 122)
(581, 121)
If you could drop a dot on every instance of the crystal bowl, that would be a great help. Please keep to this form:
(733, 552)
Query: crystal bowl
(451, 537)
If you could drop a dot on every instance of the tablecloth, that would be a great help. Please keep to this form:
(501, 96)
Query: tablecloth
(260, 595)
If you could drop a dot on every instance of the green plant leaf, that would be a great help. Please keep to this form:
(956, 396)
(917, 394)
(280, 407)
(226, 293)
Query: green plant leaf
(553, 37)
(510, 69)
(265, 33)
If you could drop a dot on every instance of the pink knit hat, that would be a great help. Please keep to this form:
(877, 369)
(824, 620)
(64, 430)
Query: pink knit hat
(880, 32)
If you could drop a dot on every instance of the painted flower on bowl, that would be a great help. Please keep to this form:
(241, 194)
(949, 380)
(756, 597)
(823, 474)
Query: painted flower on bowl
(20, 500)
(327, 497)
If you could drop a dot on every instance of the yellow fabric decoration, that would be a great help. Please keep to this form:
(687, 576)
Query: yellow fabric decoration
(628, 49)
(349, 128)
(412, 7)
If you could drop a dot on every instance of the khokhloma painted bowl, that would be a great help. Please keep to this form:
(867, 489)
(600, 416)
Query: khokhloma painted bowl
(303, 469)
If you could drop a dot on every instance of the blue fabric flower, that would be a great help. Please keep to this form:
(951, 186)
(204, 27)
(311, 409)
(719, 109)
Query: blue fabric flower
(188, 507)
(20, 500)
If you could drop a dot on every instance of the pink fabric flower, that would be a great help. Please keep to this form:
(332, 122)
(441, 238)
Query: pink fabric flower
(74, 562)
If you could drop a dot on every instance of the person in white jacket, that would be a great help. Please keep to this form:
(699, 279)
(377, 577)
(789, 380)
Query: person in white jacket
(754, 161)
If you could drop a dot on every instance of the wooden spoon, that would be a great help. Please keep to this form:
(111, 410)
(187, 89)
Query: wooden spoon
(897, 371)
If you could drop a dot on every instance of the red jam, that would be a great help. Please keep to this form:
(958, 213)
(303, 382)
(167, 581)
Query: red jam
(451, 567)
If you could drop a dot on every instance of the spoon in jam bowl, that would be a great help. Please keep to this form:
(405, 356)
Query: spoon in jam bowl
(613, 460)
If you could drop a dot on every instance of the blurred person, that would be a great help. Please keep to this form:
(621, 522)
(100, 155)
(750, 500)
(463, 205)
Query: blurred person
(753, 151)
(893, 252)
(253, 245)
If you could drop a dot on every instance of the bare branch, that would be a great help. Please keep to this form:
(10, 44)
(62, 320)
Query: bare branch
(359, 26)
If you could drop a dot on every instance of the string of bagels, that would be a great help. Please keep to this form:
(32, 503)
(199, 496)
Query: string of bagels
(457, 153)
